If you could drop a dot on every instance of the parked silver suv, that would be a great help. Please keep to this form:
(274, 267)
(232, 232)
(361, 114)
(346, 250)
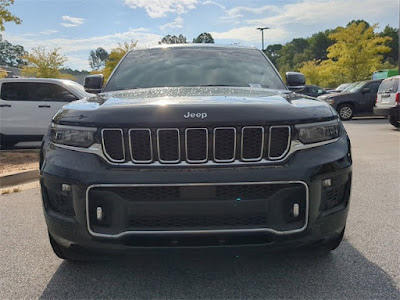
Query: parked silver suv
(388, 100)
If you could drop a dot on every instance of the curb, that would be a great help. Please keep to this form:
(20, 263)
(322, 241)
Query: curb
(19, 178)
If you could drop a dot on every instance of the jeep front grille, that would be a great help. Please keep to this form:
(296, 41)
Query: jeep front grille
(196, 145)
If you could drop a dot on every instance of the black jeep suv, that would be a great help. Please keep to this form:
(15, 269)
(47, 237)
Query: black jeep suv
(194, 146)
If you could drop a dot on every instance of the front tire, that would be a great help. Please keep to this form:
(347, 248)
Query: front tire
(345, 112)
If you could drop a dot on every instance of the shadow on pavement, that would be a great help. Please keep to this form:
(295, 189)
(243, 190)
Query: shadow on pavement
(344, 274)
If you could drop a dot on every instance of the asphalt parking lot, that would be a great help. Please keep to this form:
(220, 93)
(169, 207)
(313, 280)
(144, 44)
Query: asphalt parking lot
(365, 266)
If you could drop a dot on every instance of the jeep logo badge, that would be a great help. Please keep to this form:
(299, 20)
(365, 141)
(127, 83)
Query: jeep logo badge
(195, 115)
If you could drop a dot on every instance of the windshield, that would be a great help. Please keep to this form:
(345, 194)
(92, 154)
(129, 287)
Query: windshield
(193, 67)
(343, 86)
(355, 87)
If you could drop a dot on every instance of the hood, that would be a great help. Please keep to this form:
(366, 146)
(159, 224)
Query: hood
(194, 106)
(337, 95)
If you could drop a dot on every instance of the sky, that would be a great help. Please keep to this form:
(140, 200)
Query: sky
(78, 26)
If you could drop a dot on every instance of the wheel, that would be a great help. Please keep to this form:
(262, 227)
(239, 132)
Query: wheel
(394, 121)
(345, 112)
(67, 253)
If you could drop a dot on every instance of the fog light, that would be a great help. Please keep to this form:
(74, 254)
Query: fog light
(327, 183)
(99, 213)
(65, 187)
(296, 210)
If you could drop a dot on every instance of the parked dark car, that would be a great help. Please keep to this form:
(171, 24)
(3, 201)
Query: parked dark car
(357, 99)
(312, 91)
(194, 146)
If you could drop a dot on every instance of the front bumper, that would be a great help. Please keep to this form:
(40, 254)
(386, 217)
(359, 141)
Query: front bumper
(71, 226)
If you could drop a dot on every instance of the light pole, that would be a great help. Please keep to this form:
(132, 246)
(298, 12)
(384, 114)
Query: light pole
(262, 35)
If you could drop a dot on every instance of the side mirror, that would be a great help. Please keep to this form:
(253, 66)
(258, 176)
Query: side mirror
(94, 83)
(295, 80)
(366, 90)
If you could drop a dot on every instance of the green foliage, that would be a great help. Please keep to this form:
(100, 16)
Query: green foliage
(6, 15)
(97, 58)
(358, 22)
(204, 38)
(44, 64)
(173, 39)
(3, 73)
(11, 55)
(391, 57)
(338, 55)
(272, 51)
(115, 56)
(355, 54)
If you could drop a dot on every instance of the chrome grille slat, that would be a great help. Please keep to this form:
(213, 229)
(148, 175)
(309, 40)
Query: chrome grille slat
(195, 150)
(217, 144)
(247, 143)
(140, 148)
(111, 148)
(164, 145)
(280, 140)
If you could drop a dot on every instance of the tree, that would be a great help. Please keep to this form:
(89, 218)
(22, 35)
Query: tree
(354, 56)
(204, 38)
(357, 50)
(6, 15)
(3, 73)
(115, 56)
(272, 51)
(392, 56)
(11, 55)
(319, 43)
(358, 22)
(173, 39)
(97, 58)
(44, 64)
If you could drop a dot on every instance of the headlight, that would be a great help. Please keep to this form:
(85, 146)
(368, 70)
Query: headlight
(72, 136)
(318, 132)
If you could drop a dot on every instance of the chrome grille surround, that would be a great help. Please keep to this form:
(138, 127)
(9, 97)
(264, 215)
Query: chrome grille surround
(186, 146)
(122, 144)
(262, 144)
(159, 146)
(234, 145)
(270, 142)
(183, 232)
(151, 145)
